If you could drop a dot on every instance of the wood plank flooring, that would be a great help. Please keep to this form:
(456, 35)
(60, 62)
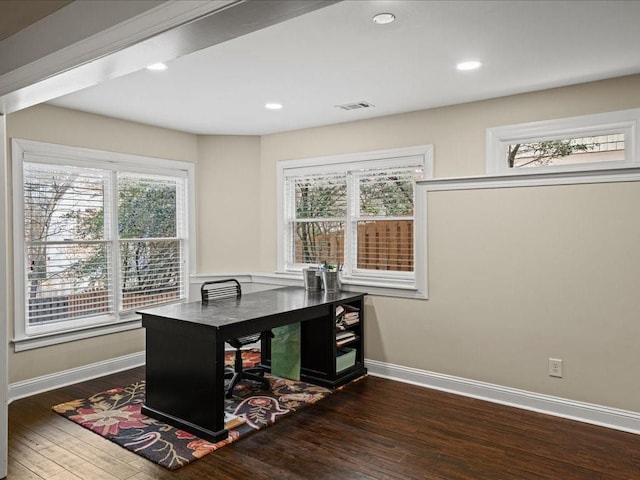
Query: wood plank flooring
(373, 429)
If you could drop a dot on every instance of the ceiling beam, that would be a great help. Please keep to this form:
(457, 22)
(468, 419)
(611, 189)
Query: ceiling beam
(169, 30)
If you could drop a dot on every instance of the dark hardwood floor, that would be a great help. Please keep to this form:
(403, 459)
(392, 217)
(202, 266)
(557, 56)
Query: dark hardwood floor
(373, 429)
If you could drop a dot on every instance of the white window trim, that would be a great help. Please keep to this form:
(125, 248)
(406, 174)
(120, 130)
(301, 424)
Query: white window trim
(498, 140)
(416, 287)
(616, 175)
(68, 155)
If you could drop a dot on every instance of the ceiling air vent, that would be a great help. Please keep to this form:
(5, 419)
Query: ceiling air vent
(355, 105)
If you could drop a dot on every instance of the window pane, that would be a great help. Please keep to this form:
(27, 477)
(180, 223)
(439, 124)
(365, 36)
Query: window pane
(385, 245)
(321, 196)
(151, 272)
(316, 242)
(99, 240)
(147, 207)
(66, 281)
(601, 148)
(63, 203)
(387, 193)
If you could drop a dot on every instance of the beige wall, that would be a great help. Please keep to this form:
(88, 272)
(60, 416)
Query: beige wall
(46, 123)
(515, 275)
(228, 183)
(521, 275)
(67, 127)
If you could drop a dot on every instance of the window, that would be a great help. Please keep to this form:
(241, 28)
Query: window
(590, 142)
(359, 212)
(97, 236)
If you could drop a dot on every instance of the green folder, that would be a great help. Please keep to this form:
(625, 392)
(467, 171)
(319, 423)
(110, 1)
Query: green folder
(285, 352)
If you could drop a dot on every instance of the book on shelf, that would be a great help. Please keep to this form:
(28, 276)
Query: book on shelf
(351, 318)
(341, 335)
(346, 309)
(344, 324)
(346, 316)
(342, 338)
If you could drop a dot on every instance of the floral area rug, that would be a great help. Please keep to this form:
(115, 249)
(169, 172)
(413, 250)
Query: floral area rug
(115, 415)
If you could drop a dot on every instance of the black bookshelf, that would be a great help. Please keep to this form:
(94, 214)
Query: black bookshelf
(320, 347)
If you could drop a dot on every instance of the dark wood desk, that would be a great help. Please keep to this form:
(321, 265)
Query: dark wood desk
(185, 345)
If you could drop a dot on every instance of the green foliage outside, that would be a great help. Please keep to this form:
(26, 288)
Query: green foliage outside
(65, 221)
(145, 211)
(321, 210)
(543, 153)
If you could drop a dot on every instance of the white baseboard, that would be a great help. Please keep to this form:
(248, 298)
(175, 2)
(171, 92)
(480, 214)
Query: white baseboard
(617, 419)
(624, 420)
(52, 381)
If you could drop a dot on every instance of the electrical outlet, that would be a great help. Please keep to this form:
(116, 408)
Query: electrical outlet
(555, 367)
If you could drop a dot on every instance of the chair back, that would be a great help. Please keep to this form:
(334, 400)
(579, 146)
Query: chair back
(219, 289)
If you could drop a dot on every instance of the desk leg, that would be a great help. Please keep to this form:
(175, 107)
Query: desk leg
(185, 377)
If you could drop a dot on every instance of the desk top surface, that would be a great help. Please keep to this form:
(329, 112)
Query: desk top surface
(249, 306)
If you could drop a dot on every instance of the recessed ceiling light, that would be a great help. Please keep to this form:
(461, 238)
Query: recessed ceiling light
(384, 18)
(157, 67)
(273, 106)
(472, 65)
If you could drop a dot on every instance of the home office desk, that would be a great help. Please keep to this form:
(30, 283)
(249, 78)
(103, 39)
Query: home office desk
(185, 347)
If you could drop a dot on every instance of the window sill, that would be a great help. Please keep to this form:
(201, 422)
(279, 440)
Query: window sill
(373, 287)
(29, 343)
(277, 279)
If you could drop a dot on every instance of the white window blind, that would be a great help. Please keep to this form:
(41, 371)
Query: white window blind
(150, 248)
(68, 258)
(104, 234)
(318, 223)
(383, 218)
(359, 215)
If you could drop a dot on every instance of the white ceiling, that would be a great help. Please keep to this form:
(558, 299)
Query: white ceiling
(337, 55)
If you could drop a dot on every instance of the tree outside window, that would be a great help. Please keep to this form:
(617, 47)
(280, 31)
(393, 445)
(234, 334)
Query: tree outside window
(602, 148)
(69, 239)
(360, 218)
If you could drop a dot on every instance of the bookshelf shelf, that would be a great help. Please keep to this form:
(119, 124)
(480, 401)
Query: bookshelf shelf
(331, 343)
(349, 341)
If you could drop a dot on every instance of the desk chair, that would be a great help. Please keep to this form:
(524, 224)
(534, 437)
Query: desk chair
(230, 288)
